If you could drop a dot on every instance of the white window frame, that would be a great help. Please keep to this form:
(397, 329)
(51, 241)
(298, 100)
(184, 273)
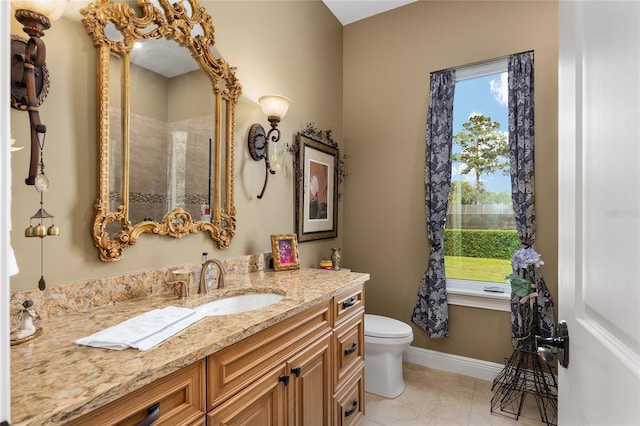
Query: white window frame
(467, 292)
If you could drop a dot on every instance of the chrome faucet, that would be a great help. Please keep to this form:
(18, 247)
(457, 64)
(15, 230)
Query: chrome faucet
(203, 288)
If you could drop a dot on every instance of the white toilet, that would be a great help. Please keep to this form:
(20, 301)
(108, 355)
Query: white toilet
(385, 339)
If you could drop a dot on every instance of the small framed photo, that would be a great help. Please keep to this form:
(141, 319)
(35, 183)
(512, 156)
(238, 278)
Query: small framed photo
(284, 249)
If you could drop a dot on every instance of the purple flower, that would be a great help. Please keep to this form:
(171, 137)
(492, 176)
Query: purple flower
(526, 257)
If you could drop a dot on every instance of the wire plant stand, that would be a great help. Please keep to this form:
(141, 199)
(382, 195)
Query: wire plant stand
(526, 374)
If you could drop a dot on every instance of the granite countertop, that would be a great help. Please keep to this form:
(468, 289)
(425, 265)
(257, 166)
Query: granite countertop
(53, 380)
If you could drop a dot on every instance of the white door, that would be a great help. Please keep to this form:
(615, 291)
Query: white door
(599, 211)
(5, 213)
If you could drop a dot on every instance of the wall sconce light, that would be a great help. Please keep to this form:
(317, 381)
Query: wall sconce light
(29, 76)
(275, 108)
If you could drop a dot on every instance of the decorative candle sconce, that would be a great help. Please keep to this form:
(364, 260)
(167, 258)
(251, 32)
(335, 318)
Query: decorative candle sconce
(29, 75)
(29, 88)
(275, 108)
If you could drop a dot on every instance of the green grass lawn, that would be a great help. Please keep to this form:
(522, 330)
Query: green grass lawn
(478, 269)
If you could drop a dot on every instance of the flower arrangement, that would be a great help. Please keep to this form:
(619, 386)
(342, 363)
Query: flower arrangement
(524, 262)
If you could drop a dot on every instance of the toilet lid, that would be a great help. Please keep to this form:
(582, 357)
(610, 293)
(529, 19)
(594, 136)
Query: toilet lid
(379, 326)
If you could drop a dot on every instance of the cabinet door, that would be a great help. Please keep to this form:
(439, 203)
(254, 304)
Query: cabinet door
(261, 404)
(310, 390)
(235, 367)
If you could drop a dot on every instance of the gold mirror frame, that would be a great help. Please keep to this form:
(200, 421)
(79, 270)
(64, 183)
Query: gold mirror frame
(176, 23)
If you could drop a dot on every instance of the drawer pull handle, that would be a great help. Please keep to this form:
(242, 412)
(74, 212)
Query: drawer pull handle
(296, 371)
(349, 303)
(153, 413)
(351, 410)
(352, 349)
(284, 379)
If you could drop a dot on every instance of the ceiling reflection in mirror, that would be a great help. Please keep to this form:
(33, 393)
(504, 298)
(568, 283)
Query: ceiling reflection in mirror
(166, 109)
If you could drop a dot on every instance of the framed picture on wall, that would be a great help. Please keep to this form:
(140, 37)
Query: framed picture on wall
(284, 250)
(317, 190)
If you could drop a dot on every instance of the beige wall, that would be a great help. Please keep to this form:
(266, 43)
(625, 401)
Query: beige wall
(296, 48)
(291, 48)
(387, 61)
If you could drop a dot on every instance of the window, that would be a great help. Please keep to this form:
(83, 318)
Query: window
(480, 235)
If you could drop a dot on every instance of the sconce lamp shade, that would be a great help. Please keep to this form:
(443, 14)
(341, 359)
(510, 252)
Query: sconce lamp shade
(15, 148)
(274, 105)
(52, 9)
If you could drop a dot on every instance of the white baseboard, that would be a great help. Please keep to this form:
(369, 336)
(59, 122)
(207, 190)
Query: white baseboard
(476, 368)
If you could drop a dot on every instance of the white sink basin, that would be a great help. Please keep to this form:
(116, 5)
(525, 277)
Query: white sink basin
(239, 303)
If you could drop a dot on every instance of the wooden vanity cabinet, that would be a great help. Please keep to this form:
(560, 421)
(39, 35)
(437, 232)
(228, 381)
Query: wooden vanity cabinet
(306, 370)
(348, 326)
(295, 393)
(281, 375)
(177, 399)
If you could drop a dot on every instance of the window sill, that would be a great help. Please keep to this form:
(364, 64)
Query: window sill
(472, 294)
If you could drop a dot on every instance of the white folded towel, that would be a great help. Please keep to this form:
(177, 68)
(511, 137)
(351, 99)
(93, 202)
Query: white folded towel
(143, 331)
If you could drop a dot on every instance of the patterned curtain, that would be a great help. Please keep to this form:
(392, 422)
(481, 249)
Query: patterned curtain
(521, 152)
(431, 312)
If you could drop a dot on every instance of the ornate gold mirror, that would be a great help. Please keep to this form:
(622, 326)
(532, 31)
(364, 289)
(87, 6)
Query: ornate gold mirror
(166, 108)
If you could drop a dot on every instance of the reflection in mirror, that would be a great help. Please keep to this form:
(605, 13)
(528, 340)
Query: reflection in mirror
(116, 166)
(166, 109)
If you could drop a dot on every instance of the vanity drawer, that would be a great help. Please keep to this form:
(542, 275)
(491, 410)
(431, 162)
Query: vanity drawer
(177, 399)
(349, 401)
(349, 344)
(348, 303)
(241, 364)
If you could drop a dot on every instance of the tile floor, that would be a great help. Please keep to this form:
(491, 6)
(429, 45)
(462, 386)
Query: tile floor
(434, 397)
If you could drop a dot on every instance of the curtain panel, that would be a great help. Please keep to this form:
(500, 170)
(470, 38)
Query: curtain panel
(521, 152)
(431, 311)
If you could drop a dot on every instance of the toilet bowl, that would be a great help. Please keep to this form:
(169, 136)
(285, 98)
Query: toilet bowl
(385, 339)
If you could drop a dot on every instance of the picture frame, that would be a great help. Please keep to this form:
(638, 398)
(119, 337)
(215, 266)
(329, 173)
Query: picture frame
(317, 189)
(284, 250)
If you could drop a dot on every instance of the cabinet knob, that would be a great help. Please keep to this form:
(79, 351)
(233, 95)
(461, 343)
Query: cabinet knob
(351, 410)
(296, 371)
(284, 379)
